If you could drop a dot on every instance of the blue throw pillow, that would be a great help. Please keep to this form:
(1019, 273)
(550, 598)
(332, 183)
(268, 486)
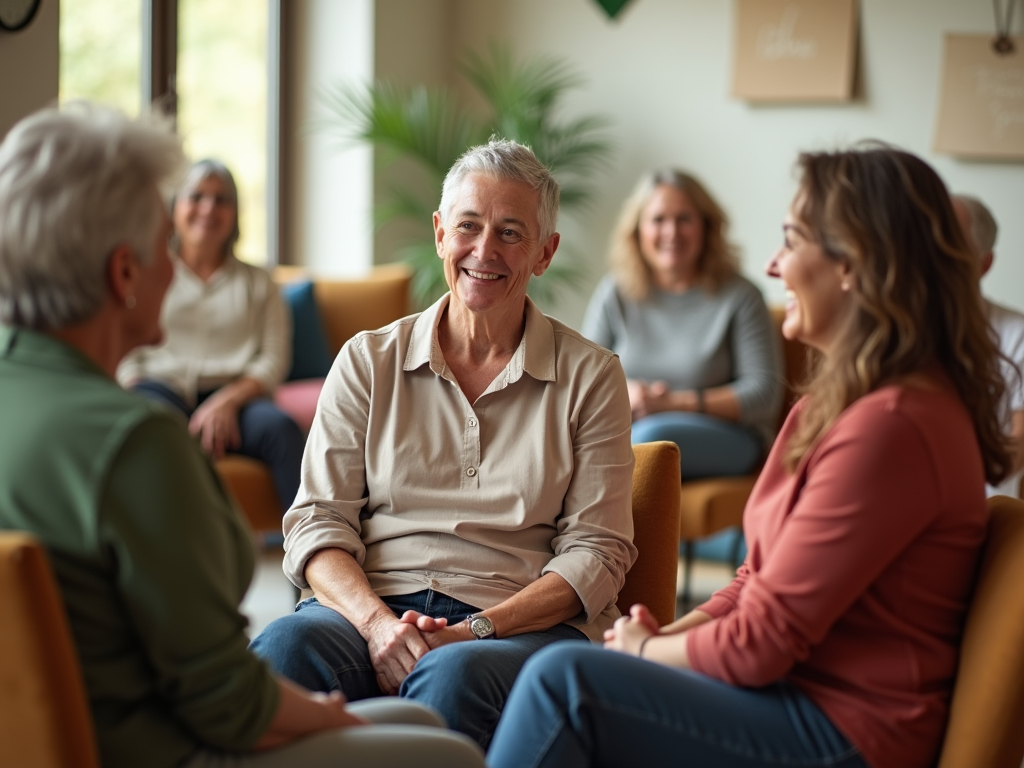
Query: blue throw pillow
(311, 357)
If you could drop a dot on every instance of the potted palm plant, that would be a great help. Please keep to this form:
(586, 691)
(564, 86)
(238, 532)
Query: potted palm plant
(430, 127)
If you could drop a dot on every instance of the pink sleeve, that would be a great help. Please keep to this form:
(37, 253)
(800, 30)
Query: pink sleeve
(870, 489)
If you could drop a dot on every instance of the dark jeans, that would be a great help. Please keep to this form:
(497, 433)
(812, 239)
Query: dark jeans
(267, 433)
(466, 682)
(577, 706)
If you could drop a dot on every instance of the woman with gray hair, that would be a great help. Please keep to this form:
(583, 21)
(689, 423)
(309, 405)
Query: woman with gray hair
(465, 498)
(151, 558)
(228, 337)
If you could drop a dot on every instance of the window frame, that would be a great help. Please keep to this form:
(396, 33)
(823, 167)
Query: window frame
(159, 74)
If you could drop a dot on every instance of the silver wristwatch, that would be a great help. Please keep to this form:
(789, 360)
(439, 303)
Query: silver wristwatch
(481, 627)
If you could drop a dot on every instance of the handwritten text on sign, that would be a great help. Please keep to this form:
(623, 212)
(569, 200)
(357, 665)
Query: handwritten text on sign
(981, 107)
(794, 50)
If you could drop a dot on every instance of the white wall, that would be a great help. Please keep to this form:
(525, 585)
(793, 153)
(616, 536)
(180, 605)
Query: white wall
(662, 72)
(411, 49)
(327, 203)
(29, 65)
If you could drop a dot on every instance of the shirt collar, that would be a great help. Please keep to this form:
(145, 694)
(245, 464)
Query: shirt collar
(535, 354)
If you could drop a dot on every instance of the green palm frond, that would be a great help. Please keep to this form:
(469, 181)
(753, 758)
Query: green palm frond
(403, 203)
(527, 91)
(424, 124)
(431, 128)
(428, 281)
(564, 274)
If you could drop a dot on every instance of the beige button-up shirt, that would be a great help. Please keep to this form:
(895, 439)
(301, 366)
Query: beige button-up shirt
(233, 325)
(475, 500)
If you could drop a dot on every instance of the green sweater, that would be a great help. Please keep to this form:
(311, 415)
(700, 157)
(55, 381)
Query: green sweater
(151, 557)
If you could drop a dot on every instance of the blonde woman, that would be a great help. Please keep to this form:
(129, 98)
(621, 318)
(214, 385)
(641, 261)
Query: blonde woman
(836, 644)
(695, 338)
(700, 350)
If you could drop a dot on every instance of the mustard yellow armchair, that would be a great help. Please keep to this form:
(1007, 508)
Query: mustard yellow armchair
(986, 723)
(45, 720)
(652, 579)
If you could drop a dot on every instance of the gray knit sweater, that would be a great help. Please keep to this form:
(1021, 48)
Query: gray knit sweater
(696, 340)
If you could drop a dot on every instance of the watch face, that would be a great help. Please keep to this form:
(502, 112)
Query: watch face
(16, 14)
(482, 627)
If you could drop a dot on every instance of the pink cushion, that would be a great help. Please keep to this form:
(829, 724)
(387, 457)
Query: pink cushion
(298, 400)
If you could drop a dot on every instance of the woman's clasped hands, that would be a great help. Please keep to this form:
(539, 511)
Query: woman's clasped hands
(628, 633)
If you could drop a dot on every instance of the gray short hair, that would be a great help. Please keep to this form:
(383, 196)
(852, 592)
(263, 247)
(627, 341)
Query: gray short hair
(983, 224)
(76, 182)
(201, 170)
(506, 159)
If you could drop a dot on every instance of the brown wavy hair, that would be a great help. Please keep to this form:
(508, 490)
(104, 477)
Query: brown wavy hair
(917, 301)
(718, 260)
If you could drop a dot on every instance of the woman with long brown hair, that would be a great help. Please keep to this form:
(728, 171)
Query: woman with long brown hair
(836, 644)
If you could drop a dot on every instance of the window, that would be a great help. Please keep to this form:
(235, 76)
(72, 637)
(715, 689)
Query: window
(220, 75)
(222, 101)
(101, 52)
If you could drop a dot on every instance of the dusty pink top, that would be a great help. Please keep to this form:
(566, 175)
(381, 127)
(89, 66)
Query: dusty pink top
(859, 570)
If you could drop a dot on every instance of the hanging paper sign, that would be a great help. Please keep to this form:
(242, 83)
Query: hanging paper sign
(981, 108)
(794, 50)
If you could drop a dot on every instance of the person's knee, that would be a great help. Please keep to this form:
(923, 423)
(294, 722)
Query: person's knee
(265, 421)
(649, 430)
(447, 667)
(282, 642)
(393, 710)
(561, 668)
(555, 659)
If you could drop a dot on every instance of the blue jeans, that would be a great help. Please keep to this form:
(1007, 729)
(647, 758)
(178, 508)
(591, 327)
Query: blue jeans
(467, 683)
(267, 433)
(708, 447)
(585, 706)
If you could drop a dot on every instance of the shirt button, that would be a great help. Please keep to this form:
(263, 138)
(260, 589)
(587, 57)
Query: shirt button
(471, 471)
(472, 422)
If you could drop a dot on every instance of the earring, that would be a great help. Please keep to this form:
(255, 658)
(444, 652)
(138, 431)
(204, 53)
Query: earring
(845, 286)
(129, 302)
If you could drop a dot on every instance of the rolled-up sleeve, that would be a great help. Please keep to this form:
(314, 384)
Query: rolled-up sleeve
(594, 542)
(332, 492)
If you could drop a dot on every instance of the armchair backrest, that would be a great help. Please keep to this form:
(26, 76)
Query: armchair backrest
(44, 715)
(656, 489)
(986, 724)
(373, 301)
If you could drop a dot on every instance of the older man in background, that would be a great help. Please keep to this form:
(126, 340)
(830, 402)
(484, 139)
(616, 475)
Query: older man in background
(981, 230)
(465, 495)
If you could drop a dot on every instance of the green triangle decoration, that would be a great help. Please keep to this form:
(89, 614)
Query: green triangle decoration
(612, 7)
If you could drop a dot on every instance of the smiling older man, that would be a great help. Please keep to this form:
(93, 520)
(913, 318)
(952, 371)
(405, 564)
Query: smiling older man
(465, 494)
